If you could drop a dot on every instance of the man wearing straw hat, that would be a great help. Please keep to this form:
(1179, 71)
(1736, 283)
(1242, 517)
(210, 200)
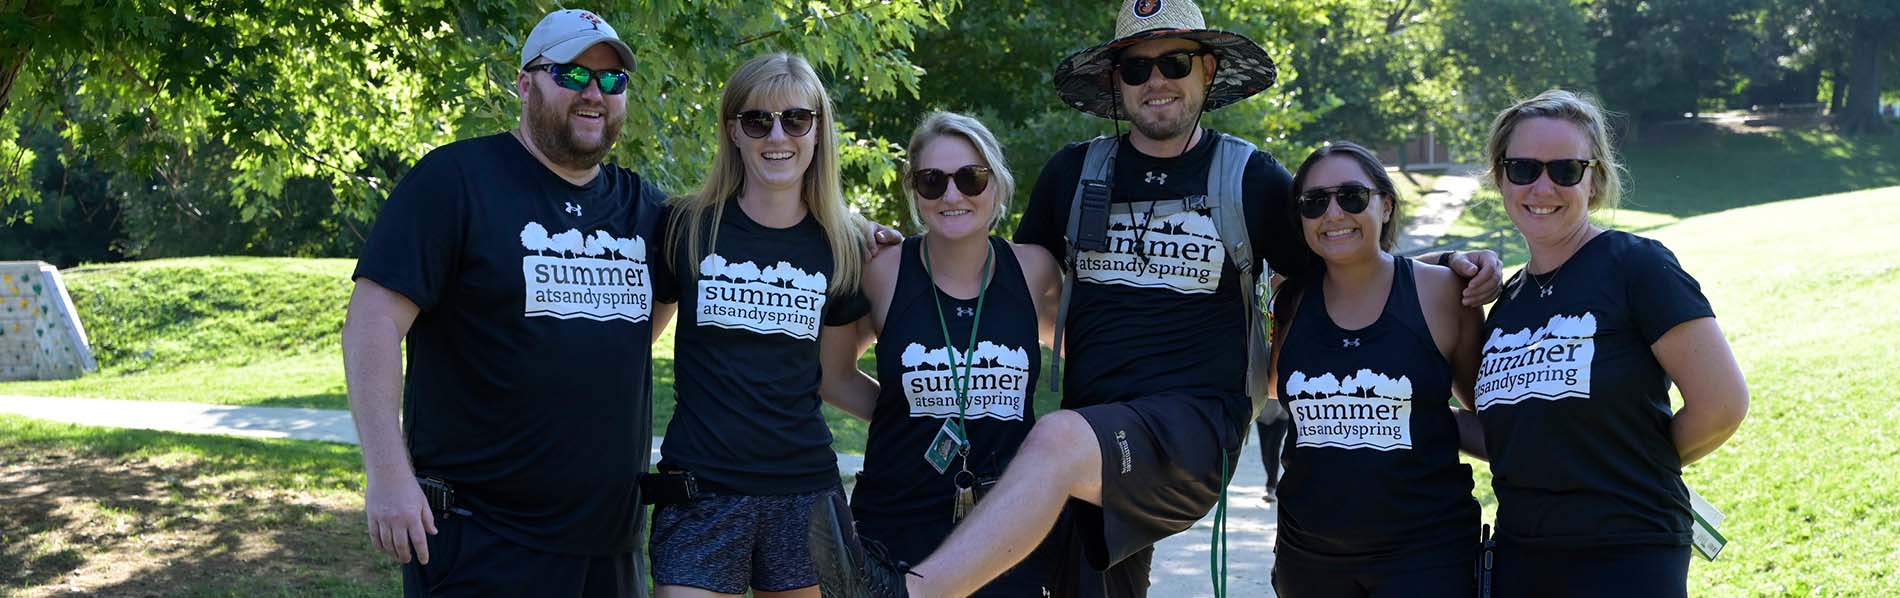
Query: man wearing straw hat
(1158, 398)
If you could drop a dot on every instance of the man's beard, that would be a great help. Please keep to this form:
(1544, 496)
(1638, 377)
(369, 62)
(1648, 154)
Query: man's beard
(1169, 129)
(554, 133)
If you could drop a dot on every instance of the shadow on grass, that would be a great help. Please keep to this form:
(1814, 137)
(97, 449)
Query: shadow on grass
(1700, 169)
(1692, 169)
(124, 512)
(327, 400)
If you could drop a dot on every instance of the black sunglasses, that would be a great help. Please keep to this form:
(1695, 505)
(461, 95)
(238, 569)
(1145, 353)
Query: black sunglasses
(1565, 173)
(576, 77)
(1352, 199)
(758, 123)
(1173, 65)
(931, 183)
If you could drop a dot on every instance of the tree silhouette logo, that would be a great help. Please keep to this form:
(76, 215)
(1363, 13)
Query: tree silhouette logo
(775, 299)
(1550, 362)
(1180, 252)
(999, 385)
(574, 274)
(1363, 410)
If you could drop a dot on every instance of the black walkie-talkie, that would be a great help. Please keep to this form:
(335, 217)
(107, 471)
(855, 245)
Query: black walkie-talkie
(1091, 231)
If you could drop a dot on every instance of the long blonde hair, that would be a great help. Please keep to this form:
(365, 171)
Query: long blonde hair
(1606, 176)
(783, 76)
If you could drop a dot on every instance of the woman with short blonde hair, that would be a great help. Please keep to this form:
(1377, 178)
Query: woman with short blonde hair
(1581, 350)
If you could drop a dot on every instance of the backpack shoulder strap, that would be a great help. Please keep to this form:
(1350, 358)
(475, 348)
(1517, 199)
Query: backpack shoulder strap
(1230, 218)
(1098, 165)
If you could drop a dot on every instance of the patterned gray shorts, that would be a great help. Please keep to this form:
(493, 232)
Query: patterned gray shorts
(728, 543)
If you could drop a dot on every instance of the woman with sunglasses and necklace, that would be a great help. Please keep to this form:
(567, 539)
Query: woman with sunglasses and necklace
(1368, 355)
(764, 260)
(957, 316)
(1580, 351)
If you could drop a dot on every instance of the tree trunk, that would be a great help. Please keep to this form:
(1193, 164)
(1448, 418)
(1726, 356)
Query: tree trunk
(1836, 90)
(1861, 113)
(10, 64)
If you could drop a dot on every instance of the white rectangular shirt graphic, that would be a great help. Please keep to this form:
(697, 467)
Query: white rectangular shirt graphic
(1181, 252)
(1366, 410)
(577, 275)
(776, 299)
(999, 381)
(1550, 363)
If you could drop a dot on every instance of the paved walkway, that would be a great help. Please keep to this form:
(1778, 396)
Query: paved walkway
(1439, 209)
(328, 425)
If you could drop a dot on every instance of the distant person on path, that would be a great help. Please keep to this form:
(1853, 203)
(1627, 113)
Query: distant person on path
(1271, 425)
(1368, 357)
(957, 315)
(515, 266)
(1162, 381)
(1580, 352)
(764, 261)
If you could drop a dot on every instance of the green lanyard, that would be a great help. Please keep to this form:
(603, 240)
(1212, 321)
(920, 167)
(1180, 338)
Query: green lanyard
(962, 380)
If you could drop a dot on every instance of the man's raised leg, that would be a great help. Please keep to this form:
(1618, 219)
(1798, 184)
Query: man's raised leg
(1061, 459)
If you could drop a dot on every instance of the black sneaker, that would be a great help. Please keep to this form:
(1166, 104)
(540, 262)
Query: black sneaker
(847, 568)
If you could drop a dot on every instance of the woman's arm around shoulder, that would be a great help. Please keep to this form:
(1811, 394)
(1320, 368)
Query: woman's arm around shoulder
(1458, 330)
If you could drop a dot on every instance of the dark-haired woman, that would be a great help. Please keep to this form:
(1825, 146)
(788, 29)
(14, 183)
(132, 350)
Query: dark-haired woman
(1368, 355)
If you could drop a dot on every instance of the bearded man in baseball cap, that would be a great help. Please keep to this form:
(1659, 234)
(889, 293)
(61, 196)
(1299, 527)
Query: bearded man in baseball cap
(525, 415)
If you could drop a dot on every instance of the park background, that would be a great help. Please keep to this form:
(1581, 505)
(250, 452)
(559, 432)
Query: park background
(205, 170)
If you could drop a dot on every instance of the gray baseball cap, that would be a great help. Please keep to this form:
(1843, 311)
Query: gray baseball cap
(565, 34)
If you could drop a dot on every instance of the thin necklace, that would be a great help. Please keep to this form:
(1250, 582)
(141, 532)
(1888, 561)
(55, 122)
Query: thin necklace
(1543, 289)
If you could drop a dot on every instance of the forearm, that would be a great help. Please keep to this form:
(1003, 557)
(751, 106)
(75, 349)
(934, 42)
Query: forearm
(1470, 433)
(373, 371)
(852, 392)
(1700, 429)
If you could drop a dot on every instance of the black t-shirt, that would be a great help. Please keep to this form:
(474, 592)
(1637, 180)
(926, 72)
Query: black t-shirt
(918, 393)
(1132, 330)
(529, 363)
(1372, 471)
(746, 357)
(1575, 406)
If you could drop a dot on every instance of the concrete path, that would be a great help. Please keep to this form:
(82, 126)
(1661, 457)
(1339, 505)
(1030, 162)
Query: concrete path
(1442, 206)
(328, 425)
(1181, 561)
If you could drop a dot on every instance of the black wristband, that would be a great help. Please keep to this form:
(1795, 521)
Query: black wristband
(1444, 259)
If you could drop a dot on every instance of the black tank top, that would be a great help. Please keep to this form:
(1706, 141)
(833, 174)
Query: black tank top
(1372, 471)
(897, 487)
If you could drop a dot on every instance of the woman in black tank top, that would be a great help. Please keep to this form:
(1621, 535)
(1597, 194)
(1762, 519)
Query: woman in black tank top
(957, 316)
(1367, 356)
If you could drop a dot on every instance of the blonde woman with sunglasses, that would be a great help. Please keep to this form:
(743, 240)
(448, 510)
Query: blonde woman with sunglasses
(1579, 354)
(957, 315)
(764, 261)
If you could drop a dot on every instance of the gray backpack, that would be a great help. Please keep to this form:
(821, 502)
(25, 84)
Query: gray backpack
(1229, 216)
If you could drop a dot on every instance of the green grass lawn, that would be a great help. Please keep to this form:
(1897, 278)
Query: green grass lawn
(96, 511)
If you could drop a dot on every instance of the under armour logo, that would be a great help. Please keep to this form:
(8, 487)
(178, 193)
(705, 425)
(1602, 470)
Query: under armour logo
(965, 312)
(573, 209)
(1348, 342)
(1158, 179)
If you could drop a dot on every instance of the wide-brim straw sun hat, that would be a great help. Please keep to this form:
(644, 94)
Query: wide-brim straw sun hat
(1086, 79)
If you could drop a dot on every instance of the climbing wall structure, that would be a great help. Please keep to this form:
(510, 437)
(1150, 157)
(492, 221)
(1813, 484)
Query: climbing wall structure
(40, 334)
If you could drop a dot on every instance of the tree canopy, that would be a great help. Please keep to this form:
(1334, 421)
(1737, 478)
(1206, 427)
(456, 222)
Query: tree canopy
(179, 127)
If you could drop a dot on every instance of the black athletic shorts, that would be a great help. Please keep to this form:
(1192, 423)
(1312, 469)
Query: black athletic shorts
(1621, 571)
(465, 559)
(1162, 459)
(1439, 580)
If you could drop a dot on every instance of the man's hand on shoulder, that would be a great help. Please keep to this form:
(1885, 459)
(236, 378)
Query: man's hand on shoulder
(879, 235)
(1483, 275)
